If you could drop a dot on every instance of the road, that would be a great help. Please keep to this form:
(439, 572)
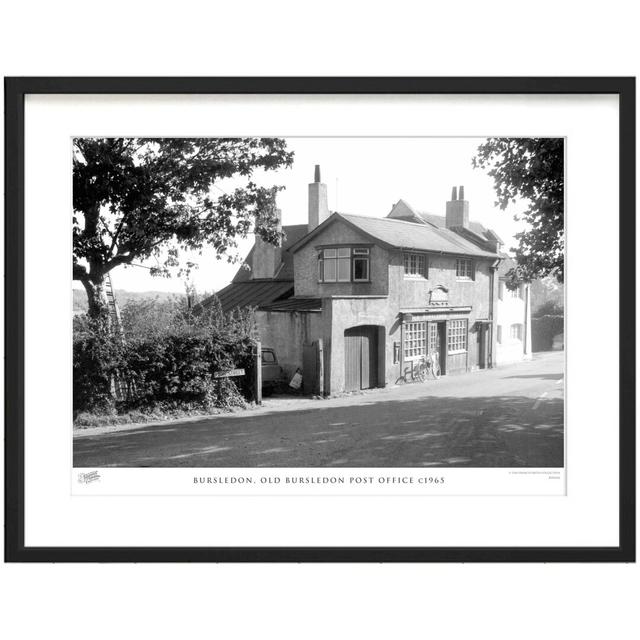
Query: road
(506, 417)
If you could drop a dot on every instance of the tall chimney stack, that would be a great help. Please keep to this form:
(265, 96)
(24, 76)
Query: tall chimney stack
(266, 257)
(457, 210)
(318, 203)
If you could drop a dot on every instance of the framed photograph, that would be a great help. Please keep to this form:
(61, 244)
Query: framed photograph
(320, 319)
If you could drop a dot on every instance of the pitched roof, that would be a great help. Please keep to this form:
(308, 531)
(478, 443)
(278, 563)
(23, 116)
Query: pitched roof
(410, 235)
(294, 304)
(252, 293)
(402, 210)
(293, 233)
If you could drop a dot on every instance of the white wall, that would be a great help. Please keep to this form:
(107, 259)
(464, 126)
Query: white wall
(512, 311)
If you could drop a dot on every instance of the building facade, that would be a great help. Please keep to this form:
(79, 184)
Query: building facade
(354, 301)
(513, 318)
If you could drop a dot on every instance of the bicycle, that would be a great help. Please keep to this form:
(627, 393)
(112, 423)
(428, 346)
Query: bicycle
(417, 372)
(433, 365)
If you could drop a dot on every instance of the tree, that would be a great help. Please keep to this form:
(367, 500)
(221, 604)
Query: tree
(134, 198)
(532, 169)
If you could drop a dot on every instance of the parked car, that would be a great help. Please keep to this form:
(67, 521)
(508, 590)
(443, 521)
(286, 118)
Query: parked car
(272, 372)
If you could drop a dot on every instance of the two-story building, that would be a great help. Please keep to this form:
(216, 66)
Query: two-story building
(378, 292)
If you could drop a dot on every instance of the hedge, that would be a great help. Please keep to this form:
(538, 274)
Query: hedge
(172, 368)
(543, 330)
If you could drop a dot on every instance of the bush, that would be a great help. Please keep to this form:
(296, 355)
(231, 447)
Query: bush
(543, 329)
(168, 365)
(96, 359)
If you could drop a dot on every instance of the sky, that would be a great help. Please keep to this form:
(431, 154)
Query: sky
(364, 176)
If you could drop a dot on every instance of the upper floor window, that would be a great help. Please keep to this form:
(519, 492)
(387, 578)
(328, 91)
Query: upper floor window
(415, 265)
(501, 290)
(464, 269)
(514, 293)
(343, 264)
(499, 336)
(516, 332)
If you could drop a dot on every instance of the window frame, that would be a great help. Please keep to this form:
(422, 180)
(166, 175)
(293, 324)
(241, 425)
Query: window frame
(459, 330)
(360, 254)
(414, 333)
(419, 256)
(340, 254)
(519, 331)
(471, 270)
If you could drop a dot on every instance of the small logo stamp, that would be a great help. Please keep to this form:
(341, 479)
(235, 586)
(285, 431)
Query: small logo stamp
(90, 476)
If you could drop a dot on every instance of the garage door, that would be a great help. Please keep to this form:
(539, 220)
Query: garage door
(361, 358)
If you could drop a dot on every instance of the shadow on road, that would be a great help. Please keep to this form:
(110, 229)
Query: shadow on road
(510, 431)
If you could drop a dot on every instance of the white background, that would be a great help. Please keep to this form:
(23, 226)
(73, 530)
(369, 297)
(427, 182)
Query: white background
(587, 516)
(190, 38)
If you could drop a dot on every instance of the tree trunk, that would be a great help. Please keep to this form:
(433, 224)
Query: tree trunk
(97, 299)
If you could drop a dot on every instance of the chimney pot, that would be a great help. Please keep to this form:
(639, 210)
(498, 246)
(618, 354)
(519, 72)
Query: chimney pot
(457, 212)
(318, 201)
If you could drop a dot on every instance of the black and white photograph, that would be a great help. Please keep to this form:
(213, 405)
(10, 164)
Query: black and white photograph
(318, 302)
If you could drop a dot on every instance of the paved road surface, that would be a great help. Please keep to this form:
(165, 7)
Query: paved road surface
(506, 417)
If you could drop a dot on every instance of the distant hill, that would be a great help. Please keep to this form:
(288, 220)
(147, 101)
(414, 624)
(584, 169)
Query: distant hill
(122, 297)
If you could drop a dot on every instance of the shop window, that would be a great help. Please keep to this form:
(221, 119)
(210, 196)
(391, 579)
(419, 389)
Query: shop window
(415, 340)
(457, 336)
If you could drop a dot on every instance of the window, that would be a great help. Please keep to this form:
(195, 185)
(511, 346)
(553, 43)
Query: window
(499, 334)
(501, 290)
(516, 332)
(268, 357)
(457, 338)
(343, 264)
(415, 265)
(329, 269)
(464, 269)
(360, 264)
(415, 340)
(514, 293)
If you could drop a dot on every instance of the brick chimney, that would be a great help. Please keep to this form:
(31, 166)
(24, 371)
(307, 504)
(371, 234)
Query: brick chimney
(266, 257)
(318, 204)
(457, 210)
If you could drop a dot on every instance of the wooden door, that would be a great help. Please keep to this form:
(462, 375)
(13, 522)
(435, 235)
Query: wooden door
(360, 358)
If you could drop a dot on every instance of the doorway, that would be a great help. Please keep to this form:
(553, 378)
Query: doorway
(438, 343)
(361, 358)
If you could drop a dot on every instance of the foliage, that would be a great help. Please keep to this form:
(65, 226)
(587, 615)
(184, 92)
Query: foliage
(167, 365)
(96, 357)
(543, 330)
(532, 169)
(544, 291)
(549, 308)
(135, 197)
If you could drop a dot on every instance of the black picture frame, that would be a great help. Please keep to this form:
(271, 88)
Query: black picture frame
(15, 91)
